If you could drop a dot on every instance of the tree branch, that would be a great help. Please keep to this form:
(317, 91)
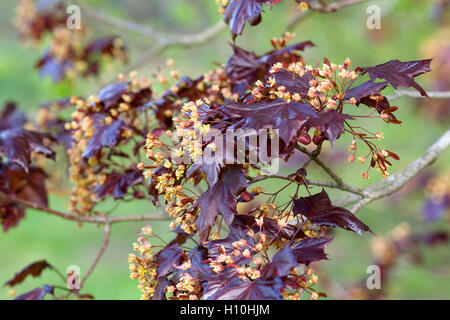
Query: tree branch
(80, 218)
(320, 7)
(335, 6)
(340, 184)
(106, 237)
(327, 184)
(185, 41)
(384, 188)
(414, 94)
(163, 40)
(100, 16)
(396, 181)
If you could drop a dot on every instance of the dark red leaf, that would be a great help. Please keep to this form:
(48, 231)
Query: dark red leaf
(310, 250)
(104, 136)
(160, 289)
(181, 237)
(112, 94)
(365, 90)
(211, 170)
(293, 82)
(217, 282)
(197, 257)
(220, 199)
(238, 12)
(163, 107)
(382, 105)
(238, 289)
(53, 67)
(117, 184)
(238, 231)
(33, 269)
(15, 182)
(330, 122)
(287, 117)
(17, 144)
(152, 182)
(280, 265)
(245, 67)
(11, 117)
(10, 214)
(168, 258)
(286, 54)
(319, 211)
(27, 186)
(102, 45)
(37, 294)
(399, 73)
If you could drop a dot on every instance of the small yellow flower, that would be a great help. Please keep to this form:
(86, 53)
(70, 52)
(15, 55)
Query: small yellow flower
(167, 164)
(303, 6)
(170, 63)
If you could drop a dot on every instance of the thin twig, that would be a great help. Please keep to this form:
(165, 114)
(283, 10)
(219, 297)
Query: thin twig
(80, 218)
(100, 16)
(163, 40)
(396, 181)
(415, 94)
(335, 6)
(320, 7)
(342, 185)
(185, 41)
(327, 184)
(106, 237)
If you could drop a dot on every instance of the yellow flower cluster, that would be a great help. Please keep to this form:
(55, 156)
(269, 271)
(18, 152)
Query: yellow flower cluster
(222, 5)
(188, 288)
(305, 280)
(242, 249)
(143, 268)
(25, 11)
(65, 44)
(167, 182)
(187, 135)
(83, 172)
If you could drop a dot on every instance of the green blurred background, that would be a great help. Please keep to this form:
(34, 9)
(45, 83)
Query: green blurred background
(407, 25)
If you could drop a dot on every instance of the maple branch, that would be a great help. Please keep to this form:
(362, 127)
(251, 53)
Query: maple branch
(80, 218)
(296, 20)
(340, 183)
(185, 41)
(396, 181)
(100, 16)
(333, 7)
(106, 237)
(163, 40)
(320, 7)
(415, 94)
(326, 184)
